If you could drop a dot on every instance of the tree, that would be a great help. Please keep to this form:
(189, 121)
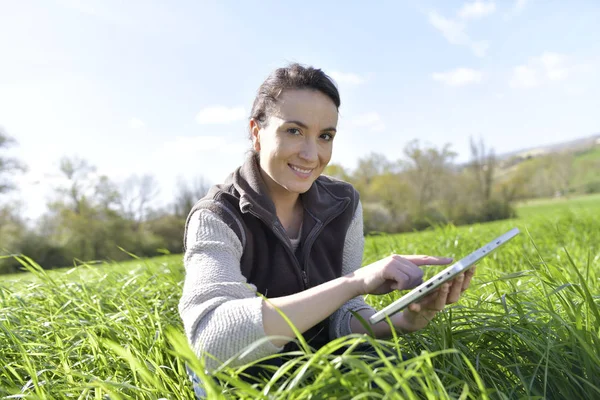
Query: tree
(372, 165)
(8, 165)
(426, 169)
(337, 171)
(187, 194)
(137, 194)
(77, 172)
(482, 167)
(395, 194)
(367, 170)
(106, 194)
(12, 229)
(563, 172)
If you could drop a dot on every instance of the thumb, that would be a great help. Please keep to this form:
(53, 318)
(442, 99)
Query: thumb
(428, 260)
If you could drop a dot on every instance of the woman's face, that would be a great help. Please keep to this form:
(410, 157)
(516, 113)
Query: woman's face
(296, 142)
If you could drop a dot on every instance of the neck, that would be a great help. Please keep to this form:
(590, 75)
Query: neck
(285, 204)
(285, 201)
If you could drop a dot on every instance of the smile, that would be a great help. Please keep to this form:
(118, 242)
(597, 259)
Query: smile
(300, 171)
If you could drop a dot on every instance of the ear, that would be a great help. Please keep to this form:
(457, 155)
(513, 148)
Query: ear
(255, 133)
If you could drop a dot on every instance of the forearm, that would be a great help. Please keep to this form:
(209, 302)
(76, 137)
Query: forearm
(305, 309)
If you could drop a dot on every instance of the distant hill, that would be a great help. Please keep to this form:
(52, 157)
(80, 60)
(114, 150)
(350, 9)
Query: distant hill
(561, 168)
(571, 145)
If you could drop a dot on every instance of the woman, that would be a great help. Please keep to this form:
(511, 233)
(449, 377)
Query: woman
(278, 228)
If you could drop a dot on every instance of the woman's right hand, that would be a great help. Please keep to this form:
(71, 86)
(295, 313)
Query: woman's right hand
(393, 273)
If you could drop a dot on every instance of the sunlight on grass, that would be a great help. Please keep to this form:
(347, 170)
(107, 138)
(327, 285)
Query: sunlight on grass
(528, 328)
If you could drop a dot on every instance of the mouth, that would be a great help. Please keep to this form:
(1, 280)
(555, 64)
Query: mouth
(301, 172)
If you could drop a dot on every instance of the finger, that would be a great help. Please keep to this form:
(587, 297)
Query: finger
(428, 302)
(427, 260)
(414, 273)
(401, 278)
(455, 289)
(468, 276)
(429, 299)
(440, 301)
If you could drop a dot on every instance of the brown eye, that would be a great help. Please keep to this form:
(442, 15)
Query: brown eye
(327, 137)
(294, 131)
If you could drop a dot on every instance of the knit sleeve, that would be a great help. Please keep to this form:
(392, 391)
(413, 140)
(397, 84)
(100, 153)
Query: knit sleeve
(352, 260)
(220, 310)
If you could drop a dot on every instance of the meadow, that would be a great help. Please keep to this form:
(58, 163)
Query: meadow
(528, 327)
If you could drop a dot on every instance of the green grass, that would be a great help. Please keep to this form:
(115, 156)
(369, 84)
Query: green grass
(552, 208)
(528, 327)
(584, 175)
(586, 165)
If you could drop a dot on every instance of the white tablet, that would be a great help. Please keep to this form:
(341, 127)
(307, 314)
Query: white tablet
(430, 285)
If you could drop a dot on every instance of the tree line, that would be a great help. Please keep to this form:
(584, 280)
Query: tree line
(426, 187)
(92, 217)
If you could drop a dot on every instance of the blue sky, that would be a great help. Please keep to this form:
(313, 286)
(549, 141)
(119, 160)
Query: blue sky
(165, 87)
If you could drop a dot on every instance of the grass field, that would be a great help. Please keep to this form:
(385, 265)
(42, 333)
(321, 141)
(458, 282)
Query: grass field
(584, 164)
(550, 208)
(528, 328)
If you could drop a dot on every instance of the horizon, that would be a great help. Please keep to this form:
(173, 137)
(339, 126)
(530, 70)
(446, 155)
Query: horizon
(140, 88)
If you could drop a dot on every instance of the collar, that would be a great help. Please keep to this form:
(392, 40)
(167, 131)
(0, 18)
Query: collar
(320, 201)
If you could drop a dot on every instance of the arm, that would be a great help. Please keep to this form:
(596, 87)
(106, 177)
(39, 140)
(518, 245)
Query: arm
(220, 311)
(342, 321)
(416, 317)
(351, 260)
(222, 314)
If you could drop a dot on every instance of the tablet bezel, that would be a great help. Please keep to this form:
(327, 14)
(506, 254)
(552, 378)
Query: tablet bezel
(444, 276)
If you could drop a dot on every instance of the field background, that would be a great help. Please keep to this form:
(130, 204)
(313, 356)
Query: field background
(527, 328)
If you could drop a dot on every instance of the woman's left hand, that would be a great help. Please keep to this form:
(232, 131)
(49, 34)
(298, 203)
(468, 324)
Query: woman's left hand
(418, 314)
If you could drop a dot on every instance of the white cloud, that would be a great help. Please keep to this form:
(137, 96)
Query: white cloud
(524, 77)
(347, 78)
(455, 33)
(459, 77)
(555, 65)
(220, 115)
(371, 120)
(135, 123)
(476, 9)
(548, 67)
(480, 48)
(520, 5)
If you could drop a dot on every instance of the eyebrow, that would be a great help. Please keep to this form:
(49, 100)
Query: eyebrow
(303, 125)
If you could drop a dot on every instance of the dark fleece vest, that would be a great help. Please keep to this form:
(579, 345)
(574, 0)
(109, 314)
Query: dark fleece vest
(268, 260)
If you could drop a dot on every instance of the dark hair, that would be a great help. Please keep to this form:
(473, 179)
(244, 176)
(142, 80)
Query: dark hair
(294, 76)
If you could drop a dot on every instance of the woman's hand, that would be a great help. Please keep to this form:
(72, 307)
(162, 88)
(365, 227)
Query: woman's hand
(418, 314)
(393, 273)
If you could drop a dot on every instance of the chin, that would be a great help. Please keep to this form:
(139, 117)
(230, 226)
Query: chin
(298, 187)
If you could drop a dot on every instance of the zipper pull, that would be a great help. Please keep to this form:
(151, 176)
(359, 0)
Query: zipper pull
(305, 278)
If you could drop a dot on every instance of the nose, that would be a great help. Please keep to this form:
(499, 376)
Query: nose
(309, 151)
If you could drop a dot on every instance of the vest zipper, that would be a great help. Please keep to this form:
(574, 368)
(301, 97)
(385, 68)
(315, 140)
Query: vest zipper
(284, 238)
(313, 235)
(306, 246)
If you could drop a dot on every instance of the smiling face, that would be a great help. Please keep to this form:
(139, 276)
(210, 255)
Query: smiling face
(296, 141)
